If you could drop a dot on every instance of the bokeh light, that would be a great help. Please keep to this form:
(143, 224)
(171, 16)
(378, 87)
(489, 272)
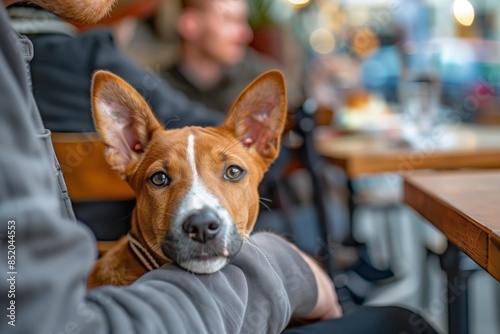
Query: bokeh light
(299, 3)
(365, 42)
(463, 11)
(322, 41)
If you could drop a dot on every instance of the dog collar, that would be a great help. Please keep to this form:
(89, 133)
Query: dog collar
(142, 253)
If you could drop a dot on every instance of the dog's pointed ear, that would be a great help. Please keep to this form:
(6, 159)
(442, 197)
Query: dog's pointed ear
(258, 116)
(123, 119)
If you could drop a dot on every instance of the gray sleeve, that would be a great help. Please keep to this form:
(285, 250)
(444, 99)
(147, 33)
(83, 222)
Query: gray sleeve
(265, 284)
(293, 272)
(42, 281)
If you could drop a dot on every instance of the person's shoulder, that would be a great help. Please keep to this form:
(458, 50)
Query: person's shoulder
(81, 43)
(100, 37)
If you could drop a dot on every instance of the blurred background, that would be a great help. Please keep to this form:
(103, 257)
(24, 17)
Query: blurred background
(351, 55)
(366, 66)
(363, 62)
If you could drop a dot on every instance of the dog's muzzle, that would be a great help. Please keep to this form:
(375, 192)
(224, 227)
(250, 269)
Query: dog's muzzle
(203, 242)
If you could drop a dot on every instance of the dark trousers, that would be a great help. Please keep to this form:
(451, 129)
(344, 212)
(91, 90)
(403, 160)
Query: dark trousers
(372, 320)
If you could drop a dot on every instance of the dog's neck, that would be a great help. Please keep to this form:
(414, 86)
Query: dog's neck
(142, 251)
(142, 254)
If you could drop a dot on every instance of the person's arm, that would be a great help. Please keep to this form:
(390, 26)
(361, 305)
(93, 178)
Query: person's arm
(265, 285)
(327, 305)
(302, 278)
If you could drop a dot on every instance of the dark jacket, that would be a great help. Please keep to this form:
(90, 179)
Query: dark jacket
(62, 69)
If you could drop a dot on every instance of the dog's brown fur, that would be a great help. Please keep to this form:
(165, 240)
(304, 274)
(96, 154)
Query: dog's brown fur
(138, 147)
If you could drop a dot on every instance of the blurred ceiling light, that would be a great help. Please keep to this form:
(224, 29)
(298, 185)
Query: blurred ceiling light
(365, 42)
(299, 3)
(322, 41)
(463, 12)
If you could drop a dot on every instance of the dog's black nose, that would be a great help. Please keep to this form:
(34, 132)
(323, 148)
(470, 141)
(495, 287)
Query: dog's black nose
(202, 226)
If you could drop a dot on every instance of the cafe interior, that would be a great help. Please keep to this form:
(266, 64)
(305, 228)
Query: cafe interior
(392, 174)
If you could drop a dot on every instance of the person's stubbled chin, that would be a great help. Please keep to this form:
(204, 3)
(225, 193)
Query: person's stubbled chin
(77, 11)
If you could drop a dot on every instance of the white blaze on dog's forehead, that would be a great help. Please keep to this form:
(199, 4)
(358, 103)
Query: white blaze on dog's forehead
(190, 156)
(198, 195)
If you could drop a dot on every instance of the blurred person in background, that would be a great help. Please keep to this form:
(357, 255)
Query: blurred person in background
(215, 61)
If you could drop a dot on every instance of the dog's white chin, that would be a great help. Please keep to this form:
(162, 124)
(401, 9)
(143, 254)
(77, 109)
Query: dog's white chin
(208, 266)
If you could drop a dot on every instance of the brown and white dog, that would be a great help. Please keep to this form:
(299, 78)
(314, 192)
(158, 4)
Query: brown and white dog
(196, 188)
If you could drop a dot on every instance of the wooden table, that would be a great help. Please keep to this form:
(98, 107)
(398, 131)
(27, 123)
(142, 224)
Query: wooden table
(454, 147)
(460, 146)
(465, 206)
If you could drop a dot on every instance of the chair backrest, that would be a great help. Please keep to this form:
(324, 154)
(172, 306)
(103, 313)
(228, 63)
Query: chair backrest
(87, 175)
(86, 172)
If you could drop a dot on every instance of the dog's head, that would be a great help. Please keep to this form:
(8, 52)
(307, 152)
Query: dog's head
(197, 188)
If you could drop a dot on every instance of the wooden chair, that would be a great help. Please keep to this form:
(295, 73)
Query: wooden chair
(87, 174)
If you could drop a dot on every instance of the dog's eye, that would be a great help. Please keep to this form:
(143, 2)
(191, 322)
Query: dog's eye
(159, 179)
(234, 173)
